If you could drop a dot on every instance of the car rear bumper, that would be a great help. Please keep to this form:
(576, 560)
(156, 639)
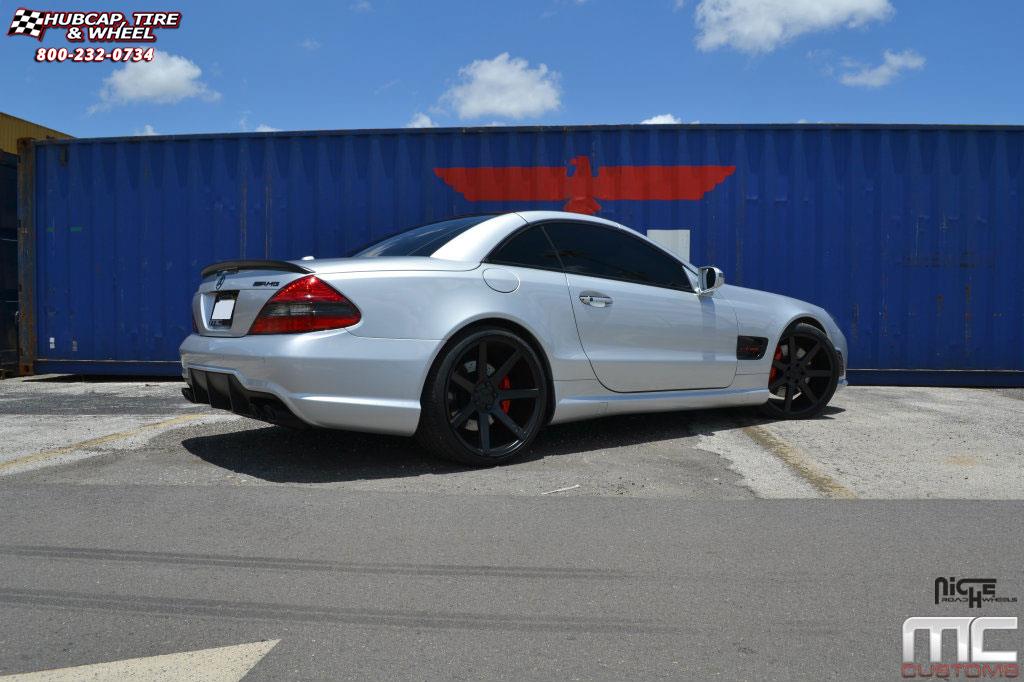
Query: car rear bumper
(223, 391)
(329, 379)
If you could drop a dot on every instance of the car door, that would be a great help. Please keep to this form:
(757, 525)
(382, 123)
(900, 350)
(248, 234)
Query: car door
(640, 322)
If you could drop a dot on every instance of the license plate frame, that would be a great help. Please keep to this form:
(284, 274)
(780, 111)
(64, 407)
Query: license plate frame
(223, 312)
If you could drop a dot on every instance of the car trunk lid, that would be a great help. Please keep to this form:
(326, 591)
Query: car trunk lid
(233, 293)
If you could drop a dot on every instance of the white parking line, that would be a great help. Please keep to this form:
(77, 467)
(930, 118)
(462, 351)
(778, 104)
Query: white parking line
(222, 664)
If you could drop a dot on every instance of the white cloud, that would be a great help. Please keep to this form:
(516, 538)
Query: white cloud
(504, 86)
(387, 86)
(310, 44)
(243, 125)
(893, 63)
(361, 6)
(146, 130)
(758, 26)
(420, 120)
(662, 119)
(165, 80)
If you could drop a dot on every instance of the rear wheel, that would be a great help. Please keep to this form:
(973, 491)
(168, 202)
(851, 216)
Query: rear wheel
(804, 374)
(485, 401)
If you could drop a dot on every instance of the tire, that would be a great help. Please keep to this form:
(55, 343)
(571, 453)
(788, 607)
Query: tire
(803, 389)
(489, 417)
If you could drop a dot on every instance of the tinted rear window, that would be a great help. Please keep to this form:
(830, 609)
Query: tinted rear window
(423, 240)
(529, 249)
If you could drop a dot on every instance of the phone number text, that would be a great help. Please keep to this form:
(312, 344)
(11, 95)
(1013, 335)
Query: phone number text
(94, 54)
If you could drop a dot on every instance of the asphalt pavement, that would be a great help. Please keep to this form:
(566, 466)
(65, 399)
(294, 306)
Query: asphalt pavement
(138, 526)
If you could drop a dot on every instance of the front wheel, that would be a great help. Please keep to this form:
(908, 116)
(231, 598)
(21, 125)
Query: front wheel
(485, 401)
(804, 374)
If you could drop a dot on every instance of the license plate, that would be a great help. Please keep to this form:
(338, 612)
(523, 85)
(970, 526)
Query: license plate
(223, 310)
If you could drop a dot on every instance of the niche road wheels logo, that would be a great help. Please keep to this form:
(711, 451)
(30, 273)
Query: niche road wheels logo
(970, 591)
(973, 658)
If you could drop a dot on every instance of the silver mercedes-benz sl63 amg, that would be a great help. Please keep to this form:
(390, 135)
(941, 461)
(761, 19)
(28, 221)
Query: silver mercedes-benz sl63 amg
(473, 333)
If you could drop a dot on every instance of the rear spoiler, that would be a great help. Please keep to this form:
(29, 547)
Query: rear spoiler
(236, 265)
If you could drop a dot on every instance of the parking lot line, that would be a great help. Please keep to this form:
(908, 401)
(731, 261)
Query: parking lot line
(92, 442)
(800, 462)
(225, 664)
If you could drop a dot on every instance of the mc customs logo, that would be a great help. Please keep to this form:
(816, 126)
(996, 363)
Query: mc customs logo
(582, 188)
(976, 640)
(974, 657)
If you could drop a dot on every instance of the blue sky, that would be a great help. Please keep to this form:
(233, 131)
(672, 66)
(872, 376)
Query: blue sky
(244, 66)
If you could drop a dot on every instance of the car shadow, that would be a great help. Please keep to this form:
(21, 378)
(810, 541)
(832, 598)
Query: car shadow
(101, 379)
(281, 455)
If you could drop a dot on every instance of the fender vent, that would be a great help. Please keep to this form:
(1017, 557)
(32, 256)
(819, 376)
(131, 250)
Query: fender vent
(750, 347)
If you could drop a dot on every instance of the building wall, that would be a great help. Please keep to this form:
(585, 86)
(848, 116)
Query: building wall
(12, 128)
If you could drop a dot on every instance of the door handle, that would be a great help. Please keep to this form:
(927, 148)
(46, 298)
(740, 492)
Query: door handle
(596, 300)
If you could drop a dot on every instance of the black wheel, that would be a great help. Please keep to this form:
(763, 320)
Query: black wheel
(804, 374)
(485, 401)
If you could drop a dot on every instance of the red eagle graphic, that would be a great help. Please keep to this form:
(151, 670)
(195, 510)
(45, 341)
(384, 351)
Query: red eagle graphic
(582, 189)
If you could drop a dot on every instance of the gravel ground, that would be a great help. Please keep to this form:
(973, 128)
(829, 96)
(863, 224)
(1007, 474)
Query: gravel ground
(873, 442)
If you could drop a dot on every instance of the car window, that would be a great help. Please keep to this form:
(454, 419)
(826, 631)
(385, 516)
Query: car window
(529, 248)
(599, 251)
(423, 240)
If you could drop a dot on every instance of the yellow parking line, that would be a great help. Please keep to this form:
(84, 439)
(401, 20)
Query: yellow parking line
(800, 462)
(82, 445)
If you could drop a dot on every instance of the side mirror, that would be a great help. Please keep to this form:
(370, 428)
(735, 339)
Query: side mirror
(709, 279)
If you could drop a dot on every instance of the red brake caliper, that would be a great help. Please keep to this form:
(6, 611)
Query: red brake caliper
(505, 384)
(775, 370)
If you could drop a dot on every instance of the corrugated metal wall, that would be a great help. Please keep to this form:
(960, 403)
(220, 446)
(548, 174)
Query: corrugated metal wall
(911, 236)
(8, 264)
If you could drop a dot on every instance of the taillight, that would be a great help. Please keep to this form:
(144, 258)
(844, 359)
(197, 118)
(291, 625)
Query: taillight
(306, 305)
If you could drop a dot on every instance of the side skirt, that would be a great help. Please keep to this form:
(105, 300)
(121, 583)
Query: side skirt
(578, 400)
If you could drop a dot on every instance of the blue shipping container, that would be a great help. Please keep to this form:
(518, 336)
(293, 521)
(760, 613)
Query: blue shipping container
(910, 235)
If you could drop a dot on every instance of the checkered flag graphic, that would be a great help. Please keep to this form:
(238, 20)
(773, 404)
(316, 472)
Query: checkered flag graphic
(27, 22)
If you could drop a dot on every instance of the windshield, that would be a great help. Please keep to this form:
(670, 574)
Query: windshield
(423, 240)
